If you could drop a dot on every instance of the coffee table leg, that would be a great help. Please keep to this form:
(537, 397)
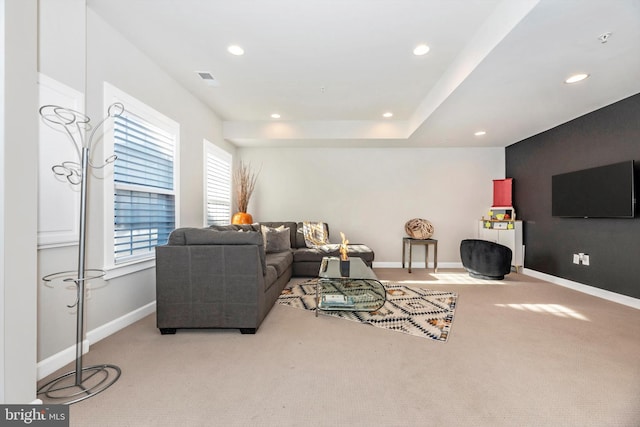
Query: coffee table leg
(317, 284)
(410, 255)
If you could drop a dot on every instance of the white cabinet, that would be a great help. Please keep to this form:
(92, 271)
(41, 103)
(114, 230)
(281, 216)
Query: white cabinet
(511, 238)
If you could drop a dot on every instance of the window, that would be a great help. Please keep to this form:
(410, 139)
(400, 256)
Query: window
(217, 186)
(143, 198)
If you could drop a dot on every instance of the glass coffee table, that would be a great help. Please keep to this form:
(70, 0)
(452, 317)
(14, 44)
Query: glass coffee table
(360, 291)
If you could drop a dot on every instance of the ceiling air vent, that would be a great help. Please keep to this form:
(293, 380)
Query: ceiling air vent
(208, 78)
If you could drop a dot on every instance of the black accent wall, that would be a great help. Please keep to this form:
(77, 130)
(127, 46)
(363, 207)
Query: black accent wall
(608, 135)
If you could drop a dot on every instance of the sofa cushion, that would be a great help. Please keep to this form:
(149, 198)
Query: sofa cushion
(234, 227)
(177, 237)
(287, 224)
(207, 236)
(276, 239)
(316, 255)
(361, 251)
(281, 261)
(312, 254)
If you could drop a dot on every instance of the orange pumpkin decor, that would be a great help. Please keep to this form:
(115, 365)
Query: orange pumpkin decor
(242, 218)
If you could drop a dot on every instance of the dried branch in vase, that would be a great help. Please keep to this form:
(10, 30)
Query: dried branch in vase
(245, 182)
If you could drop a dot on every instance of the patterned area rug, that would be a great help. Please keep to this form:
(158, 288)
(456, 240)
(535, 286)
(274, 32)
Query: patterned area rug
(414, 311)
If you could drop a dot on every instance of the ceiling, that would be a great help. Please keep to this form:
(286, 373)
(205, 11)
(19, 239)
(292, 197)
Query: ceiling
(331, 68)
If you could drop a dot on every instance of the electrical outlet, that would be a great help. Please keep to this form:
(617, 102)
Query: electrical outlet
(585, 259)
(576, 259)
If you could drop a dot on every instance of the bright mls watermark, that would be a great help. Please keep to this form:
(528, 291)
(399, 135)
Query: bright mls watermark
(34, 415)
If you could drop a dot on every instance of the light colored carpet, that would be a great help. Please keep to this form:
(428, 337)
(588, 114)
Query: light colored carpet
(522, 352)
(415, 311)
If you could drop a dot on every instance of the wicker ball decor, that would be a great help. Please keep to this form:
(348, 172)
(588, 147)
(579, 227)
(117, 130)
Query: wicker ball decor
(419, 228)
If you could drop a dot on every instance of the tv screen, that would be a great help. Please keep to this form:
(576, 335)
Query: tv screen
(601, 192)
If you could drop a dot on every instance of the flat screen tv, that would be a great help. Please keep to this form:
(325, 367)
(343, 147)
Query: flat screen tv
(601, 192)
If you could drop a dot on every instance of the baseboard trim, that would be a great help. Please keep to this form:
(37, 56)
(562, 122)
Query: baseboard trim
(101, 332)
(53, 363)
(597, 292)
(416, 265)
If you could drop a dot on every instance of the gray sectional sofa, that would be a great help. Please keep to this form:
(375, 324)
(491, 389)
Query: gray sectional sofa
(229, 276)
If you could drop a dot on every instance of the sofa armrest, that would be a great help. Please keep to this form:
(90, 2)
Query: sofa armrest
(209, 286)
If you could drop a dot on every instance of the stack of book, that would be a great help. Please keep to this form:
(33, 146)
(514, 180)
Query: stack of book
(337, 301)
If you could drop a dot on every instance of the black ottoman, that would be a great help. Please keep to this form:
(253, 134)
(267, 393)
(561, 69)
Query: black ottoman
(484, 259)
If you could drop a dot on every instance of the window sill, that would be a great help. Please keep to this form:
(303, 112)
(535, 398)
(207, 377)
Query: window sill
(116, 271)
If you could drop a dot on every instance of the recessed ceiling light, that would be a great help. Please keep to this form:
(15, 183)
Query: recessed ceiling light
(235, 50)
(421, 49)
(576, 78)
(387, 115)
(275, 116)
(480, 133)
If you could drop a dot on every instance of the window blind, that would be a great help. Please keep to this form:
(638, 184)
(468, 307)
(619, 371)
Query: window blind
(144, 202)
(145, 154)
(218, 187)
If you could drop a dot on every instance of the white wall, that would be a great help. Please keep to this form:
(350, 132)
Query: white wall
(370, 194)
(85, 64)
(62, 42)
(19, 197)
(2, 184)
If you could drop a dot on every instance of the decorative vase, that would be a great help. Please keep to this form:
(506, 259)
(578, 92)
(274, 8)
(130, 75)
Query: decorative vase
(241, 218)
(344, 267)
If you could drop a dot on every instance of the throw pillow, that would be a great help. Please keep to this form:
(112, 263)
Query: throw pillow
(276, 239)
